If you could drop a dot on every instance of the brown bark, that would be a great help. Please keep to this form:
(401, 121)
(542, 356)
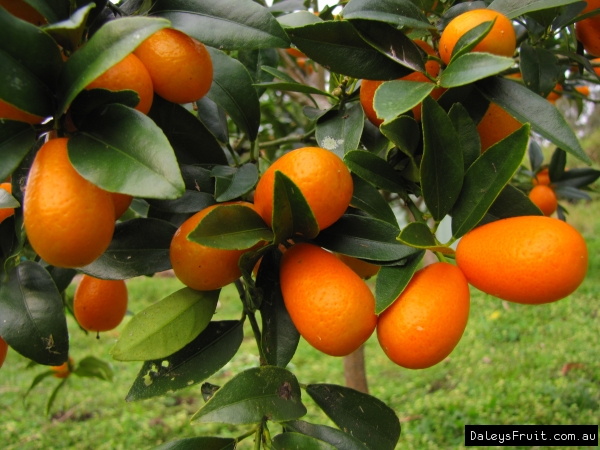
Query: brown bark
(355, 372)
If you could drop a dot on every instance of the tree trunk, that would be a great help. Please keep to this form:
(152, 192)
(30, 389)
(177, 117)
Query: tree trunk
(355, 372)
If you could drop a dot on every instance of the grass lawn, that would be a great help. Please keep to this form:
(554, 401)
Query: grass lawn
(515, 364)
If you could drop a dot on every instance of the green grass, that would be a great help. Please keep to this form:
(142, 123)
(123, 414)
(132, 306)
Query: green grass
(507, 369)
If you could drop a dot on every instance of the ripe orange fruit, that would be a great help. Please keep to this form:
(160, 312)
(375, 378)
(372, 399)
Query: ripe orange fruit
(501, 40)
(368, 87)
(585, 90)
(64, 370)
(544, 198)
(303, 64)
(495, 125)
(23, 11)
(6, 212)
(128, 74)
(427, 320)
(553, 96)
(361, 268)
(180, 66)
(542, 177)
(121, 203)
(587, 30)
(100, 305)
(200, 267)
(8, 111)
(295, 52)
(332, 308)
(322, 177)
(69, 221)
(3, 350)
(528, 259)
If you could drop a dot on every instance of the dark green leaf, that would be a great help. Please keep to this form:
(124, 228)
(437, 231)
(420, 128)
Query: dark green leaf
(375, 170)
(515, 8)
(253, 394)
(253, 60)
(7, 200)
(231, 227)
(288, 6)
(539, 68)
(372, 422)
(470, 39)
(16, 139)
(52, 10)
(291, 441)
(337, 46)
(68, 33)
(571, 193)
(298, 19)
(197, 178)
(139, 247)
(404, 132)
(526, 106)
(486, 178)
(293, 87)
(233, 182)
(88, 100)
(33, 319)
(392, 280)
(208, 390)
(200, 443)
(467, 134)
(536, 157)
(400, 13)
(192, 201)
(397, 97)
(558, 162)
(372, 138)
(339, 130)
(122, 150)
(457, 10)
(417, 234)
(511, 202)
(333, 436)
(93, 367)
(225, 24)
(62, 277)
(213, 117)
(194, 363)
(578, 178)
(278, 74)
(167, 326)
(368, 199)
(469, 97)
(472, 67)
(54, 394)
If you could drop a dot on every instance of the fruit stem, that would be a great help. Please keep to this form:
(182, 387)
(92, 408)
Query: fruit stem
(245, 435)
(233, 154)
(441, 257)
(253, 322)
(258, 436)
(253, 151)
(416, 212)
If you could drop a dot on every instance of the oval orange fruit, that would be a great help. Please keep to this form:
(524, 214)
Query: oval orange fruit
(8, 111)
(528, 259)
(64, 370)
(542, 177)
(587, 30)
(428, 318)
(100, 305)
(544, 198)
(495, 125)
(332, 308)
(361, 268)
(121, 203)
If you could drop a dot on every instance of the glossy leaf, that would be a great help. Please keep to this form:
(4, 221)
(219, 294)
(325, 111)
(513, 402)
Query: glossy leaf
(33, 319)
(397, 97)
(457, 10)
(233, 91)
(375, 170)
(536, 157)
(122, 150)
(339, 130)
(298, 19)
(293, 87)
(287, 6)
(233, 182)
(224, 24)
(197, 178)
(404, 132)
(231, 227)
(62, 277)
(515, 8)
(472, 67)
(368, 199)
(138, 247)
(333, 436)
(88, 100)
(68, 33)
(470, 39)
(442, 166)
(372, 138)
(190, 202)
(539, 68)
(511, 202)
(253, 394)
(109, 45)
(578, 177)
(402, 13)
(486, 178)
(557, 166)
(16, 139)
(338, 47)
(203, 443)
(572, 193)
(417, 234)
(166, 326)
(253, 60)
(287, 441)
(466, 131)
(364, 237)
(392, 280)
(194, 363)
(526, 106)
(214, 118)
(7, 200)
(372, 422)
(92, 367)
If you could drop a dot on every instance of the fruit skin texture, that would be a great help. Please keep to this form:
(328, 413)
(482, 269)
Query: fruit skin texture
(528, 259)
(69, 221)
(544, 198)
(100, 305)
(501, 40)
(361, 268)
(128, 74)
(542, 177)
(332, 308)
(200, 267)
(121, 203)
(427, 320)
(322, 177)
(180, 66)
(495, 125)
(3, 350)
(8, 111)
(64, 370)
(6, 212)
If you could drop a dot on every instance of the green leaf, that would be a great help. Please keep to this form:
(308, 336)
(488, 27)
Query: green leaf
(191, 139)
(231, 227)
(472, 67)
(279, 334)
(190, 202)
(397, 97)
(338, 46)
(288, 6)
(578, 178)
(233, 182)
(298, 19)
(68, 33)
(33, 319)
(511, 202)
(372, 422)
(375, 170)
(333, 436)
(557, 166)
(62, 277)
(138, 247)
(194, 363)
(539, 68)
(88, 100)
(214, 119)
(470, 39)
(392, 280)
(203, 443)
(232, 90)
(92, 367)
(291, 212)
(526, 106)
(54, 394)
(516, 8)
(442, 166)
(166, 326)
(372, 138)
(253, 394)
(364, 237)
(37, 380)
(16, 139)
(368, 199)
(121, 150)
(571, 193)
(486, 178)
(109, 45)
(293, 87)
(400, 13)
(7, 200)
(254, 60)
(466, 131)
(224, 24)
(404, 132)
(287, 441)
(536, 156)
(417, 234)
(339, 130)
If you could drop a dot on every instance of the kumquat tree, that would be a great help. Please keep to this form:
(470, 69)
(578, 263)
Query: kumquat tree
(275, 147)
